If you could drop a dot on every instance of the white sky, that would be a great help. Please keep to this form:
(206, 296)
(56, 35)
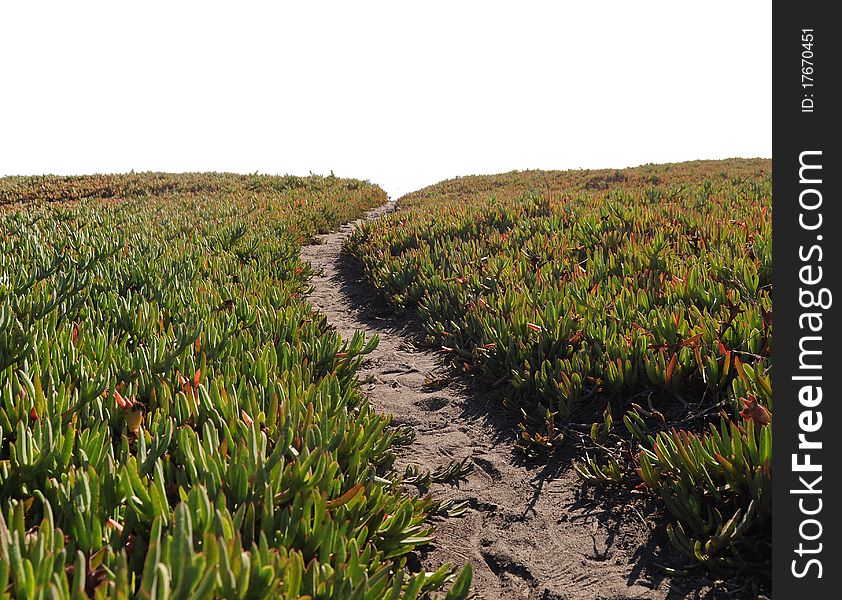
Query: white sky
(404, 94)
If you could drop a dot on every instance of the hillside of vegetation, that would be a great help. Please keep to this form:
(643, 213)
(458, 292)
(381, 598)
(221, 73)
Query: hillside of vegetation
(176, 421)
(626, 313)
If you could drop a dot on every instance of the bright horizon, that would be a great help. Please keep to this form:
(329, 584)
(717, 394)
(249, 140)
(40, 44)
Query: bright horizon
(379, 90)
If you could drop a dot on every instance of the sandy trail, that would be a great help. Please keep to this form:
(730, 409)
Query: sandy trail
(530, 532)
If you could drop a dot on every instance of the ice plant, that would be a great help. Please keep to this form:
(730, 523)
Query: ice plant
(572, 289)
(175, 420)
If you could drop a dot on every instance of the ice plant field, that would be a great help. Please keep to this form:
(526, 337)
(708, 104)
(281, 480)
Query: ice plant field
(626, 312)
(176, 421)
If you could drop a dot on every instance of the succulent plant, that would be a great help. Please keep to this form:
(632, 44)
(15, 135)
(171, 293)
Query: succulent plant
(570, 288)
(175, 420)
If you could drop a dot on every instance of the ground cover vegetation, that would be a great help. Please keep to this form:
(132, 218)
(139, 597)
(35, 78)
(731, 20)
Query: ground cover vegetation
(175, 420)
(626, 311)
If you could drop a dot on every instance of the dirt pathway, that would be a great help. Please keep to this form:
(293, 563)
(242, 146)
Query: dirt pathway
(529, 532)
